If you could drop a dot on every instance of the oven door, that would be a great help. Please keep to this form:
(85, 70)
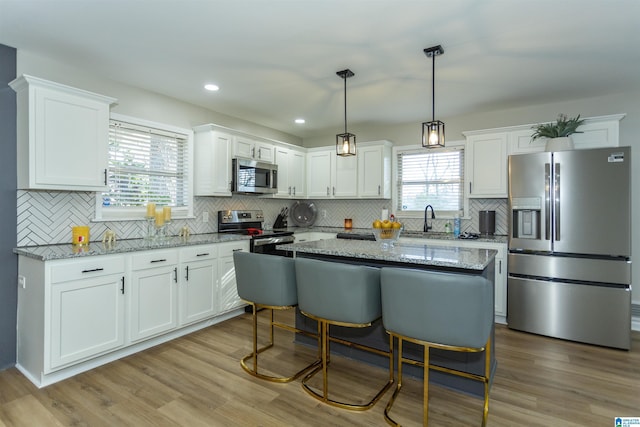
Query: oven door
(269, 245)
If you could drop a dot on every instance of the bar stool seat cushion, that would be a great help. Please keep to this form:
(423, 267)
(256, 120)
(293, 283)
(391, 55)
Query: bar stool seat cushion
(446, 308)
(338, 292)
(266, 280)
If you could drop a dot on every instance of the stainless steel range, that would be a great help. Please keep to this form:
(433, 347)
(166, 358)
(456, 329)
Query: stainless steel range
(250, 222)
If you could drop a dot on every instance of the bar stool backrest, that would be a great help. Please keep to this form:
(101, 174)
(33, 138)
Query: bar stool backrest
(265, 279)
(338, 292)
(444, 308)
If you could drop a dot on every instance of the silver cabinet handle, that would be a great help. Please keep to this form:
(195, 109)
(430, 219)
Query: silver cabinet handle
(379, 190)
(289, 190)
(122, 287)
(500, 267)
(93, 270)
(175, 274)
(186, 270)
(328, 191)
(470, 188)
(334, 191)
(294, 191)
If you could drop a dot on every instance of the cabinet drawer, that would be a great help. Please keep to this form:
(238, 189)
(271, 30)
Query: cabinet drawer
(198, 253)
(68, 270)
(227, 249)
(152, 259)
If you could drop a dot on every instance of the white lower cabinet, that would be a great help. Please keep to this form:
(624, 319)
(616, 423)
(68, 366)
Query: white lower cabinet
(198, 283)
(78, 313)
(153, 293)
(86, 309)
(228, 298)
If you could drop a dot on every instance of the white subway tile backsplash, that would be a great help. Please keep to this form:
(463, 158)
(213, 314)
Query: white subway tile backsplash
(46, 217)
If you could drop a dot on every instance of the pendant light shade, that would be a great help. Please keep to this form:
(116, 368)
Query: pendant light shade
(345, 142)
(433, 131)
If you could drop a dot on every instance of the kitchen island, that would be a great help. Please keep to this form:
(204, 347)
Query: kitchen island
(447, 259)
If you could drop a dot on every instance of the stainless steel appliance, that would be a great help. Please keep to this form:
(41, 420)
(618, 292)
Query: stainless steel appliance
(570, 245)
(249, 222)
(252, 177)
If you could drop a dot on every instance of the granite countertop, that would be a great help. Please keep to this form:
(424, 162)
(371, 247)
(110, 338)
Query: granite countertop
(64, 251)
(405, 253)
(498, 238)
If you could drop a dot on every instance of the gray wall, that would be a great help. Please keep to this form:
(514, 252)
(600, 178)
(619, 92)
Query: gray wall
(8, 261)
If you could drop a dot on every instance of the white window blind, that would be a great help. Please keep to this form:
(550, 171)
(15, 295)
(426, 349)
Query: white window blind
(146, 165)
(430, 177)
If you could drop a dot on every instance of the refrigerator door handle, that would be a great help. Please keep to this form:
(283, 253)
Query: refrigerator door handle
(556, 203)
(547, 201)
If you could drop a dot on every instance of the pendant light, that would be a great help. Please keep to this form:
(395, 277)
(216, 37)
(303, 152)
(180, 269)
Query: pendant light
(433, 131)
(345, 142)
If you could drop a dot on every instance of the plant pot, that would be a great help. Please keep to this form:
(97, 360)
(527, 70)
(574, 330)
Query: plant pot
(559, 144)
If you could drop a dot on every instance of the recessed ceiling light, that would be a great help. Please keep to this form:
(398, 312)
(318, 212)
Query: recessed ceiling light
(211, 87)
(299, 121)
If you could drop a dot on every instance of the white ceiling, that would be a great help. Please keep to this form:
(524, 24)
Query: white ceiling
(276, 60)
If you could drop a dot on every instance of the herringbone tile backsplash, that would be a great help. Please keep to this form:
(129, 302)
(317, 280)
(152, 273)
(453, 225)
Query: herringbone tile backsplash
(46, 217)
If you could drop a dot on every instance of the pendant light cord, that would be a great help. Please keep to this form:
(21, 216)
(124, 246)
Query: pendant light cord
(433, 88)
(345, 104)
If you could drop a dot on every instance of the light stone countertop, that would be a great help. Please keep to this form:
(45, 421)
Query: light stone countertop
(403, 253)
(66, 251)
(432, 235)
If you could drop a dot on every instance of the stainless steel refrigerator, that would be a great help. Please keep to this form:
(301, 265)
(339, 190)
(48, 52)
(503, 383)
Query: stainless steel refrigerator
(570, 245)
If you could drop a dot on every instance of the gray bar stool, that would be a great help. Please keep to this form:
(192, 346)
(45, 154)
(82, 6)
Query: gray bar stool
(342, 295)
(438, 310)
(267, 281)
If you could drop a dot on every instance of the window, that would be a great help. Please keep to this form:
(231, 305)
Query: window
(148, 162)
(430, 177)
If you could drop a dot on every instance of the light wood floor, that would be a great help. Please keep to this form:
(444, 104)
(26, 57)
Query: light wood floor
(197, 381)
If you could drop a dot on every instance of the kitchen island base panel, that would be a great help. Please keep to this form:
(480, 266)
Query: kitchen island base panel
(376, 337)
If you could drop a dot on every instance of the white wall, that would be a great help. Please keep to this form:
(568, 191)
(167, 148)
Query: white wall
(140, 103)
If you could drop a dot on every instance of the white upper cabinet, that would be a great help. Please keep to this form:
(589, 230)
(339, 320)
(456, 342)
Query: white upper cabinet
(63, 136)
(291, 172)
(486, 165)
(487, 151)
(374, 170)
(252, 149)
(319, 173)
(212, 173)
(596, 132)
(331, 176)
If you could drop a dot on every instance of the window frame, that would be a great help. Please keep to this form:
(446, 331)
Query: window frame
(139, 212)
(458, 145)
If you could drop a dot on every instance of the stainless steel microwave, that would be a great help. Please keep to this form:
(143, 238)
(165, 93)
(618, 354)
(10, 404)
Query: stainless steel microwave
(250, 176)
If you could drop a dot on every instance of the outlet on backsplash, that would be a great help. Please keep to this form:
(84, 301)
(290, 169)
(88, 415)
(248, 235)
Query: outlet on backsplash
(205, 216)
(324, 213)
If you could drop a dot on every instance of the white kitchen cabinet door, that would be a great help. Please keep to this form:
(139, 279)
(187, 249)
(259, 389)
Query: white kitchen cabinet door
(86, 310)
(63, 136)
(486, 165)
(228, 298)
(283, 161)
(198, 284)
(87, 318)
(291, 172)
(297, 173)
(374, 170)
(153, 294)
(252, 149)
(319, 173)
(212, 173)
(345, 176)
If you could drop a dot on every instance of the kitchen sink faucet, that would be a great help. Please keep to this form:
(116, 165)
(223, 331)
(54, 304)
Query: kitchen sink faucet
(426, 226)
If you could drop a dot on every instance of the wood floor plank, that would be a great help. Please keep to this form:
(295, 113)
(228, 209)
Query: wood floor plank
(197, 381)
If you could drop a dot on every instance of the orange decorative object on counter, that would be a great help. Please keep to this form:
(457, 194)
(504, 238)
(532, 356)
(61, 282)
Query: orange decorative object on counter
(348, 223)
(80, 235)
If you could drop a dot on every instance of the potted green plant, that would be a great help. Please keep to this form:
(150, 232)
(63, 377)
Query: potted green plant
(558, 134)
